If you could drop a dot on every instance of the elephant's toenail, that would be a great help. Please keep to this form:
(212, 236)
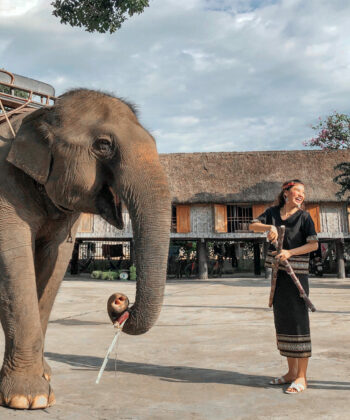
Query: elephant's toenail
(52, 399)
(20, 402)
(39, 402)
(47, 377)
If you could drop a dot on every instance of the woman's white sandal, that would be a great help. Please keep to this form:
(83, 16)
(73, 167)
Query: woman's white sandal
(279, 381)
(298, 388)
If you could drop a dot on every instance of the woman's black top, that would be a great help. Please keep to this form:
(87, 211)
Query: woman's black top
(300, 229)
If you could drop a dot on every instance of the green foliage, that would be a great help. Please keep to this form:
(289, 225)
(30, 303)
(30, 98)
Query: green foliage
(334, 134)
(105, 275)
(343, 179)
(97, 15)
(133, 275)
(109, 275)
(96, 274)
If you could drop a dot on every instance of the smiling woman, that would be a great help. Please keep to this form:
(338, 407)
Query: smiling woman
(290, 312)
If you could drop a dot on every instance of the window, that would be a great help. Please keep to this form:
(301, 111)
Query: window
(238, 218)
(173, 220)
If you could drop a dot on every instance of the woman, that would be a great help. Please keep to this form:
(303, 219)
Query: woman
(290, 312)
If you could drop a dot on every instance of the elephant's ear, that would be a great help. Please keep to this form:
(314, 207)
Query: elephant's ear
(31, 149)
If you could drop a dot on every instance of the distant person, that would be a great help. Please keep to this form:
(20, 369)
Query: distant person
(291, 315)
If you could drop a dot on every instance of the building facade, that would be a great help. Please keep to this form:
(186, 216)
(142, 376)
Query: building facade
(216, 195)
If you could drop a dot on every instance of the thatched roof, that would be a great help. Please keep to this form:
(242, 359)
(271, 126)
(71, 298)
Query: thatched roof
(248, 177)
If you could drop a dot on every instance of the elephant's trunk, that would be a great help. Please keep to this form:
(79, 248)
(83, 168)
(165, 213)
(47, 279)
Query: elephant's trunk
(145, 192)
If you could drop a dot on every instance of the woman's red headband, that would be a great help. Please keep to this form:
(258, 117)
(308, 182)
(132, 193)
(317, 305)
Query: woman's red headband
(290, 184)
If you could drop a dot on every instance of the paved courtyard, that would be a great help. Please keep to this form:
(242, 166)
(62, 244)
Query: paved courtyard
(210, 355)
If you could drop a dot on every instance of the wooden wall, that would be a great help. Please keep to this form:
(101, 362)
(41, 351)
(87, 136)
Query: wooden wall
(210, 220)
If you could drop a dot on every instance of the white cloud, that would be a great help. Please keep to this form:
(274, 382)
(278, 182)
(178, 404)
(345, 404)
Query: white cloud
(207, 74)
(184, 121)
(10, 8)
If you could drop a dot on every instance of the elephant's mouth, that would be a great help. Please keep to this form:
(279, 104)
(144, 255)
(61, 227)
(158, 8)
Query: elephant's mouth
(109, 207)
(64, 209)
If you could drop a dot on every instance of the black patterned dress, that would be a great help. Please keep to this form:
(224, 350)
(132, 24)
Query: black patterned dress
(291, 315)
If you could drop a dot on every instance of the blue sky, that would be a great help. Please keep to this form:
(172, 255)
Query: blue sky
(206, 75)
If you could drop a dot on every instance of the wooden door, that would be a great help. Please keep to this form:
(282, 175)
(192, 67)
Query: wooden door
(314, 210)
(220, 218)
(259, 209)
(86, 223)
(183, 218)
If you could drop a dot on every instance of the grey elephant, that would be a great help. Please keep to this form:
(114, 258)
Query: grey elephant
(85, 154)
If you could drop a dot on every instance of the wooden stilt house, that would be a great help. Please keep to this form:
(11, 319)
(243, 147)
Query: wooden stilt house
(216, 195)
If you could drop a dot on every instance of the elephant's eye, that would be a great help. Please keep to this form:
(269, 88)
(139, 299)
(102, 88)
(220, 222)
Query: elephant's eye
(103, 147)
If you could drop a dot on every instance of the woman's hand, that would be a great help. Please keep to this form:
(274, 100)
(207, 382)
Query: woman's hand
(285, 254)
(272, 234)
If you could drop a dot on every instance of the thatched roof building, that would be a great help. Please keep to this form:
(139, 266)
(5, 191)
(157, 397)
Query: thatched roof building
(250, 177)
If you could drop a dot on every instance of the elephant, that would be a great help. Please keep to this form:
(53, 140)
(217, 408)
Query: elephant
(86, 153)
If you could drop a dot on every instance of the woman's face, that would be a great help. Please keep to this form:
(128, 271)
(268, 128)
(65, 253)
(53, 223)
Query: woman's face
(295, 195)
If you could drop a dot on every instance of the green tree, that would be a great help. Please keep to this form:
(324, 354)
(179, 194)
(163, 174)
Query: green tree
(97, 15)
(333, 133)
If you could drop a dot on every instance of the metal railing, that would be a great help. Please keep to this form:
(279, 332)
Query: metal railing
(16, 99)
(238, 218)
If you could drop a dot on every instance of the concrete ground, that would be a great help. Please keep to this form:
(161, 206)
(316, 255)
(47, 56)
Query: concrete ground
(210, 355)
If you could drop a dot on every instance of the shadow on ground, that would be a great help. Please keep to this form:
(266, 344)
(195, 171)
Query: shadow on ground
(182, 373)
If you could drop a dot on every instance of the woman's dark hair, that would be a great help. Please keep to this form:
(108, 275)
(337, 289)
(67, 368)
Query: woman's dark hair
(280, 200)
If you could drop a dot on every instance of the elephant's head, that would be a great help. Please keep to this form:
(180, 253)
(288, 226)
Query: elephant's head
(90, 152)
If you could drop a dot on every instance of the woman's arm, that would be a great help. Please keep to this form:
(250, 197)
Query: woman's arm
(261, 227)
(301, 250)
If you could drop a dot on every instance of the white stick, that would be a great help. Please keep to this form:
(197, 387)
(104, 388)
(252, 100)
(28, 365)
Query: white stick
(109, 351)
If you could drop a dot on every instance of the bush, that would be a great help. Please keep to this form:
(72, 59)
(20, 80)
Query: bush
(96, 274)
(105, 275)
(133, 273)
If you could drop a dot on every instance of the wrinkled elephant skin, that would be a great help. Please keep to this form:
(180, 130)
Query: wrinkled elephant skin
(86, 154)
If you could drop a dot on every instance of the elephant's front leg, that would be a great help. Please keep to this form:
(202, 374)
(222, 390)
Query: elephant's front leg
(52, 256)
(22, 384)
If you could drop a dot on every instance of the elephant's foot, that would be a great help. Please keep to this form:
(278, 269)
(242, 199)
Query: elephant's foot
(22, 391)
(47, 370)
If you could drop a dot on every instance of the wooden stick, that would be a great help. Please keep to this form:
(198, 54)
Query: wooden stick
(281, 230)
(296, 281)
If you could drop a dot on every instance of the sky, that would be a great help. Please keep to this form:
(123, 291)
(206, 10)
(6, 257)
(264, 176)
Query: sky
(206, 75)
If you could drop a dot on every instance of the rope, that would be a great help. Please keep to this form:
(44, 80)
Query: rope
(7, 119)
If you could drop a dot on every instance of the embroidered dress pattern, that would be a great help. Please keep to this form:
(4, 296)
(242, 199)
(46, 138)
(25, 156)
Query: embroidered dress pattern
(294, 345)
(299, 263)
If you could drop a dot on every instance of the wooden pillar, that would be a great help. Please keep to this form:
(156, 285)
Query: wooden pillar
(202, 259)
(339, 244)
(74, 264)
(257, 270)
(238, 253)
(268, 271)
